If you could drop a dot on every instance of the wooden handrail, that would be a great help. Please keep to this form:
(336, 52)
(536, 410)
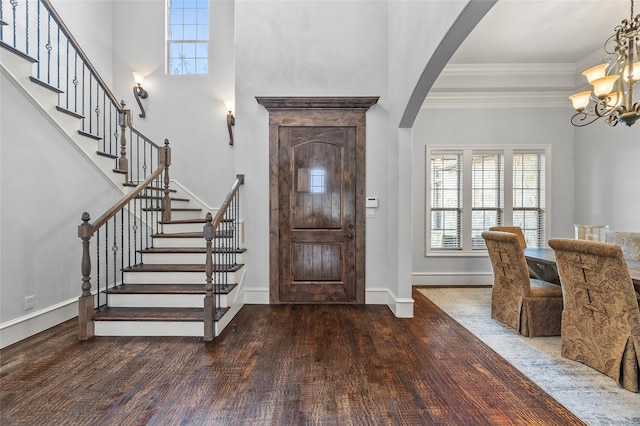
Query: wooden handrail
(208, 233)
(227, 201)
(138, 133)
(88, 231)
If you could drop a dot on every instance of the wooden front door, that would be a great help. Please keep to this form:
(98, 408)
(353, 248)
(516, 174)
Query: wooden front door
(317, 214)
(317, 199)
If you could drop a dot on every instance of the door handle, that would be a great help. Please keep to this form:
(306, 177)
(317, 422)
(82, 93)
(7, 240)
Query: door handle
(350, 236)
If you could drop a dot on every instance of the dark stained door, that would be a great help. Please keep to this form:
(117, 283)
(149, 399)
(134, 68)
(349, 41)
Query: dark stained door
(317, 207)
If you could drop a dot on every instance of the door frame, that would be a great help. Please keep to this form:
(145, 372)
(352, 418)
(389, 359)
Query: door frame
(316, 112)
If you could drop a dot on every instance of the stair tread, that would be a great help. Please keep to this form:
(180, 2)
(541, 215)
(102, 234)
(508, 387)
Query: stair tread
(183, 221)
(177, 267)
(160, 197)
(155, 314)
(154, 188)
(228, 234)
(168, 289)
(190, 250)
(159, 209)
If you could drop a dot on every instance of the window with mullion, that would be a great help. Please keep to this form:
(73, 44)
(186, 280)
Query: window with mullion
(187, 36)
(502, 185)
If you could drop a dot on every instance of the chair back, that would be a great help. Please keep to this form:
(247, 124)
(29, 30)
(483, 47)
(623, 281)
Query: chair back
(629, 242)
(514, 230)
(601, 312)
(511, 283)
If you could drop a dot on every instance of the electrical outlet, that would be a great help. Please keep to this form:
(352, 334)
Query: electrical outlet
(29, 302)
(371, 212)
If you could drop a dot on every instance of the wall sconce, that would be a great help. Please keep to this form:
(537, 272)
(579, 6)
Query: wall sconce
(139, 92)
(231, 120)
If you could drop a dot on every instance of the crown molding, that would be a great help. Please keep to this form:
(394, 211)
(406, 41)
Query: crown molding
(509, 69)
(512, 99)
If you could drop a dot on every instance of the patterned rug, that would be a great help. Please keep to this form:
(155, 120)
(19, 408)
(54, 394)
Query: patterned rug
(593, 397)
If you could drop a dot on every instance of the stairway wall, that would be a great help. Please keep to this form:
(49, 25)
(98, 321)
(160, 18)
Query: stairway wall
(41, 177)
(188, 110)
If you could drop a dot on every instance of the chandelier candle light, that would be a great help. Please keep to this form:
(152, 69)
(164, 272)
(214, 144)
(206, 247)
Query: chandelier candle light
(614, 80)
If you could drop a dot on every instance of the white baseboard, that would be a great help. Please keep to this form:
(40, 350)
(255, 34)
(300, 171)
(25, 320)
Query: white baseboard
(256, 295)
(401, 307)
(28, 325)
(463, 278)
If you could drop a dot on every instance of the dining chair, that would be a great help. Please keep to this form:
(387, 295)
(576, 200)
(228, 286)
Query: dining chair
(629, 242)
(514, 230)
(601, 317)
(531, 306)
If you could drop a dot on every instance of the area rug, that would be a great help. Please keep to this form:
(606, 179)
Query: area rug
(593, 397)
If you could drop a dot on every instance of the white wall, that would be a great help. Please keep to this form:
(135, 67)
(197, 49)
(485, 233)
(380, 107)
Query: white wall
(490, 126)
(91, 24)
(187, 110)
(41, 177)
(607, 176)
(312, 48)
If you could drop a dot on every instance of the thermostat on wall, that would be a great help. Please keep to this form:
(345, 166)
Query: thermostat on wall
(372, 202)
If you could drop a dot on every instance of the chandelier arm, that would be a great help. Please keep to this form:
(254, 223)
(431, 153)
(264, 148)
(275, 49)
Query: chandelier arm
(579, 119)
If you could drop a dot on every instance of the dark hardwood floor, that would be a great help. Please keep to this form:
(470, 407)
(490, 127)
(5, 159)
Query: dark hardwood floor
(281, 365)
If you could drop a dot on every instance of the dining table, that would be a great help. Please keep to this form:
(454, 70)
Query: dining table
(542, 262)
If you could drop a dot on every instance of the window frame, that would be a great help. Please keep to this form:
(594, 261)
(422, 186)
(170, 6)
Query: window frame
(467, 151)
(169, 41)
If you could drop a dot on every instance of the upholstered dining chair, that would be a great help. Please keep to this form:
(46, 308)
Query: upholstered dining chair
(601, 318)
(629, 242)
(514, 230)
(533, 307)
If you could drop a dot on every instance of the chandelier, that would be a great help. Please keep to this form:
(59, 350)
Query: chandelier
(613, 81)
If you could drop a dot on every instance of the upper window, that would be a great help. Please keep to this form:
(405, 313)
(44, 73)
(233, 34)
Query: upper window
(187, 36)
(470, 190)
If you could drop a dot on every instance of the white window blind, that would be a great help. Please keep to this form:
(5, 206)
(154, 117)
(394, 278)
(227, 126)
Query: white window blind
(471, 189)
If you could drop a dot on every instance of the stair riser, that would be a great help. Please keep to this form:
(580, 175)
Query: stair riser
(187, 242)
(181, 258)
(149, 328)
(161, 300)
(179, 215)
(182, 227)
(171, 277)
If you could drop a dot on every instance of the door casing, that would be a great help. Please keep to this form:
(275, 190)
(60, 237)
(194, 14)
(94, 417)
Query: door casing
(320, 112)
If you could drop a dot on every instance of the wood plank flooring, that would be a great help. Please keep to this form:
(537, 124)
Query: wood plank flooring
(280, 365)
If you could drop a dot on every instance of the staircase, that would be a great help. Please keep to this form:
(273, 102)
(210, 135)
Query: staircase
(157, 263)
(163, 294)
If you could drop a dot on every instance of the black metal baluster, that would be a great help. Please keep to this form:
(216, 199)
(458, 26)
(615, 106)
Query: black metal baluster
(98, 248)
(48, 47)
(115, 249)
(90, 103)
(58, 55)
(106, 262)
(83, 98)
(75, 82)
(122, 246)
(66, 91)
(14, 5)
(38, 41)
(26, 27)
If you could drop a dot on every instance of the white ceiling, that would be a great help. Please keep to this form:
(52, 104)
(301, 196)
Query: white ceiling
(542, 31)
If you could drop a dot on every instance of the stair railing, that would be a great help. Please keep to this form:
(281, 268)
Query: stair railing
(34, 30)
(222, 235)
(127, 227)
